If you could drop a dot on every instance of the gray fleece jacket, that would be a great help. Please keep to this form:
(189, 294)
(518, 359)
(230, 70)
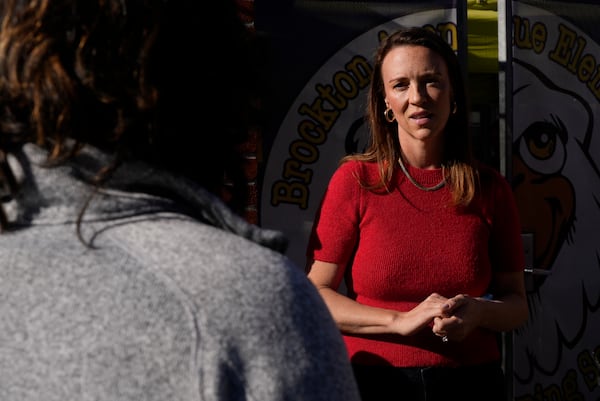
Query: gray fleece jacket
(160, 305)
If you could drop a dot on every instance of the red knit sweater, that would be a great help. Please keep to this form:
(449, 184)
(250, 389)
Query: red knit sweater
(409, 243)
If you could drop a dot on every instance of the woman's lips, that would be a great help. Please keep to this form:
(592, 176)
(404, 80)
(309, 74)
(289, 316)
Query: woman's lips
(421, 118)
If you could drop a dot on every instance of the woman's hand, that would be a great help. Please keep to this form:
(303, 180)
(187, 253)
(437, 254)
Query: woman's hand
(423, 315)
(459, 320)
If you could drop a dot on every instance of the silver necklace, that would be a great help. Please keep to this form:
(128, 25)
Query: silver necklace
(416, 184)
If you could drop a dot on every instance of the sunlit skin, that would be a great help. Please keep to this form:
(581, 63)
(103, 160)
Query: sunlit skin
(418, 91)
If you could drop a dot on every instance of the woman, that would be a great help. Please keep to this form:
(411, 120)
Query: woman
(427, 239)
(123, 275)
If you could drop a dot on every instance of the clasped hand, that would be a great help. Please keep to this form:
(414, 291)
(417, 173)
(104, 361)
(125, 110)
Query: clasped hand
(457, 319)
(453, 318)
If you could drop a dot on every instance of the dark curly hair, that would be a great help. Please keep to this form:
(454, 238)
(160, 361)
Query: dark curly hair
(148, 79)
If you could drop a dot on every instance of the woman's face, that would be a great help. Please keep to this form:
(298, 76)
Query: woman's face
(418, 90)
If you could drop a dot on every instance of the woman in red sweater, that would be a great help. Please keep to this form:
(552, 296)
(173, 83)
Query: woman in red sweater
(422, 234)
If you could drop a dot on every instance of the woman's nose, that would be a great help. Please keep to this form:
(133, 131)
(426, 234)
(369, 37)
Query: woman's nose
(417, 94)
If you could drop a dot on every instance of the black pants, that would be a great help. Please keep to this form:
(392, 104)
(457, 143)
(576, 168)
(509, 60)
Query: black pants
(476, 383)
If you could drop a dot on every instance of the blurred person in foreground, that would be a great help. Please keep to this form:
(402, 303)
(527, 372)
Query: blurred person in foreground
(123, 274)
(424, 235)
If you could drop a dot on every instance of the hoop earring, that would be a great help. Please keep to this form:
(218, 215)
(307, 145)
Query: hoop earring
(389, 115)
(454, 107)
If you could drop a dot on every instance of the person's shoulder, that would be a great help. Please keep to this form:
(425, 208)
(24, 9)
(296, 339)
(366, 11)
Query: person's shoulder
(194, 243)
(356, 164)
(210, 263)
(360, 169)
(485, 168)
(488, 173)
(493, 182)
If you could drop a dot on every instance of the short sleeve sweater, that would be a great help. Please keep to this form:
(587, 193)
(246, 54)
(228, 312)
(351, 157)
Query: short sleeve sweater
(399, 246)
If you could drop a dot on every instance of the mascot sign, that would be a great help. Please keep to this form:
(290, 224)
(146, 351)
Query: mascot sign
(555, 171)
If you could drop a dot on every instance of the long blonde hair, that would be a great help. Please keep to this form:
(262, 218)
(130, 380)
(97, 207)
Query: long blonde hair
(384, 148)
